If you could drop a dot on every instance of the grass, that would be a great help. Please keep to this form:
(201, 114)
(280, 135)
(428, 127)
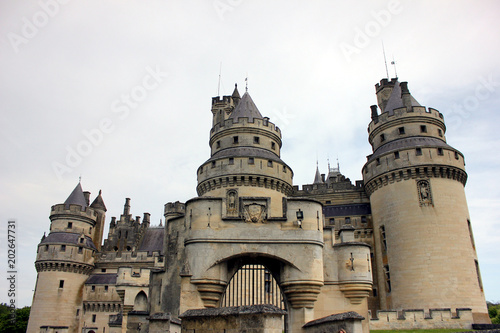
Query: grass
(421, 331)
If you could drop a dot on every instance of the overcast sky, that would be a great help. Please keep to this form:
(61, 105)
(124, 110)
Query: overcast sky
(119, 93)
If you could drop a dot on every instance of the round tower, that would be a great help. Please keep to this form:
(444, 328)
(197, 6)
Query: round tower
(425, 253)
(245, 154)
(65, 259)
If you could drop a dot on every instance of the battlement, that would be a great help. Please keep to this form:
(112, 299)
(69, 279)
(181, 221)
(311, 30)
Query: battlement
(223, 100)
(384, 83)
(175, 208)
(73, 210)
(404, 112)
(409, 319)
(245, 122)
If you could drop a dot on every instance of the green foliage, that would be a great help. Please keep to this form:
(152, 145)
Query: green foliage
(19, 324)
(494, 312)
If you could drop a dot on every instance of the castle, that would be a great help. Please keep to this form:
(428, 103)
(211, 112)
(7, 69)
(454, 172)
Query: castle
(394, 250)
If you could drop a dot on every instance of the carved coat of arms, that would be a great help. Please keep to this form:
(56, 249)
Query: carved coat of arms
(255, 213)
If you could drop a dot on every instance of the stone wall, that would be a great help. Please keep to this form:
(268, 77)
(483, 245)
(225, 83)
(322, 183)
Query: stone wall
(250, 319)
(418, 319)
(349, 322)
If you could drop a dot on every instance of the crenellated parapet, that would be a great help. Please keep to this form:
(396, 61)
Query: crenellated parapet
(254, 123)
(414, 319)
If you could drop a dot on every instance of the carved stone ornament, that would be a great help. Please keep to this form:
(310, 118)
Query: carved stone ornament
(424, 192)
(255, 213)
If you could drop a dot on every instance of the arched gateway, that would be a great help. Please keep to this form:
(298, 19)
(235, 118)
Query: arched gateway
(245, 241)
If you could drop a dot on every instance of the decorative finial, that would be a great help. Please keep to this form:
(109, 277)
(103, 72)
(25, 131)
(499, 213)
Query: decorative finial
(161, 224)
(100, 191)
(246, 83)
(80, 179)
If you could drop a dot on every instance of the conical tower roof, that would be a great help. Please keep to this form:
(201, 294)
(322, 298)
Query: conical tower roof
(395, 101)
(99, 203)
(317, 177)
(236, 94)
(246, 108)
(76, 197)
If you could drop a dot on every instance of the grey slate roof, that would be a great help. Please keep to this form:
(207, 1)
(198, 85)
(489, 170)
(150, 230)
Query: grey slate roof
(101, 279)
(236, 94)
(347, 210)
(395, 101)
(246, 108)
(152, 240)
(317, 177)
(67, 238)
(245, 152)
(76, 197)
(411, 142)
(99, 203)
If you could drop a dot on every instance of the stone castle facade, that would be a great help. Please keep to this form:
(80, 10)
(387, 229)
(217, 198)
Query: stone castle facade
(394, 250)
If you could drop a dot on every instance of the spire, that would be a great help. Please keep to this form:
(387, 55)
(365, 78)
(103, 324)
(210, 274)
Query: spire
(246, 108)
(317, 177)
(99, 203)
(76, 197)
(236, 94)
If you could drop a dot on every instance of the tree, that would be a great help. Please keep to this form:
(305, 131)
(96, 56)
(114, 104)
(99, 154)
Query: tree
(18, 324)
(494, 312)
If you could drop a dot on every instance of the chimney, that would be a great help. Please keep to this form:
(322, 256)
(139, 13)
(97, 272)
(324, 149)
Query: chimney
(405, 95)
(126, 207)
(86, 194)
(374, 113)
(146, 219)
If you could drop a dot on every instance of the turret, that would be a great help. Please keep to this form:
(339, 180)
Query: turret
(245, 155)
(415, 182)
(65, 258)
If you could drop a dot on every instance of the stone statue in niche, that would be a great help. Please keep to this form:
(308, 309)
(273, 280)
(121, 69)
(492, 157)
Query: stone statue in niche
(424, 192)
(232, 202)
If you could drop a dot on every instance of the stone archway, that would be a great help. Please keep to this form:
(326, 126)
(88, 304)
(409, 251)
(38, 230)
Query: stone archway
(255, 279)
(141, 302)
